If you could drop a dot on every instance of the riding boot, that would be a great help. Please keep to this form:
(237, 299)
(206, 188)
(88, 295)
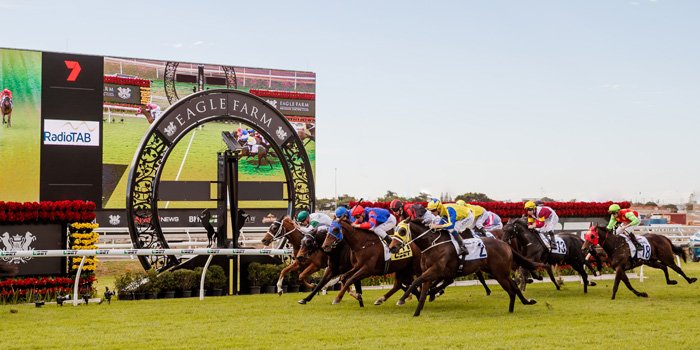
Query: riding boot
(481, 232)
(635, 241)
(387, 239)
(460, 242)
(552, 242)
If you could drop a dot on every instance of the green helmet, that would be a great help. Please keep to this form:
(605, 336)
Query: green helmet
(614, 208)
(303, 215)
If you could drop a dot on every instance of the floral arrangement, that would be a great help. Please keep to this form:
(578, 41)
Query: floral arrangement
(83, 237)
(46, 212)
(112, 79)
(516, 209)
(32, 289)
(284, 94)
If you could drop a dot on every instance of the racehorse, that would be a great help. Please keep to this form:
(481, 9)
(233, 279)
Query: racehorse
(6, 109)
(369, 254)
(440, 261)
(340, 260)
(307, 134)
(533, 248)
(620, 259)
(146, 113)
(288, 229)
(261, 150)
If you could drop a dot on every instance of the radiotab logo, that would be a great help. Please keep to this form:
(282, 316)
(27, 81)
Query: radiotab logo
(71, 132)
(74, 67)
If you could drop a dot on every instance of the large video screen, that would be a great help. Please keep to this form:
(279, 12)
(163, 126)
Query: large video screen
(72, 124)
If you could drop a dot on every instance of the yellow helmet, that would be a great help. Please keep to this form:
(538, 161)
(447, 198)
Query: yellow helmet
(434, 204)
(461, 202)
(530, 205)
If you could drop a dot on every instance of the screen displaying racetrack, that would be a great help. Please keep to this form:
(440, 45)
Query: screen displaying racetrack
(72, 124)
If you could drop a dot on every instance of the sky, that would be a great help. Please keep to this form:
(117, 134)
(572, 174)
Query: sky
(587, 100)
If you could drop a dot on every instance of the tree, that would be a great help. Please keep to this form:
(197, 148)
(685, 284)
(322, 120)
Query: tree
(345, 199)
(547, 199)
(325, 203)
(421, 197)
(390, 196)
(650, 204)
(672, 207)
(474, 197)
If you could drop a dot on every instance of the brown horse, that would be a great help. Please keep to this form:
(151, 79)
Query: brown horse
(288, 229)
(6, 109)
(440, 261)
(340, 260)
(533, 248)
(620, 259)
(369, 252)
(146, 113)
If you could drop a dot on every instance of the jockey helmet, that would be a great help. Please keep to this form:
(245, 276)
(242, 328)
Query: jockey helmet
(434, 204)
(340, 212)
(530, 205)
(395, 205)
(244, 132)
(357, 210)
(303, 215)
(614, 208)
(461, 202)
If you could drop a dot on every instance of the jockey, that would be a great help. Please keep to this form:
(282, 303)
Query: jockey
(243, 136)
(252, 145)
(492, 222)
(543, 219)
(6, 93)
(481, 216)
(625, 218)
(154, 109)
(313, 221)
(457, 218)
(377, 220)
(341, 212)
(399, 209)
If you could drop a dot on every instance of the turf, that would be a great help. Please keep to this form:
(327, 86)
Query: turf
(463, 318)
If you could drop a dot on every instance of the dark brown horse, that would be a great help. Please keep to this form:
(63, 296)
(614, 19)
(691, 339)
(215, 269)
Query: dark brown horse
(440, 261)
(369, 252)
(261, 150)
(288, 229)
(619, 256)
(6, 109)
(340, 260)
(532, 247)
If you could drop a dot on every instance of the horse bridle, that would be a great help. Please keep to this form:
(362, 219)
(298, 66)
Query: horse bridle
(277, 235)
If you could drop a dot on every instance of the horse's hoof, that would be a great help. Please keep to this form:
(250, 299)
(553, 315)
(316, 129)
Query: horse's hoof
(529, 280)
(279, 293)
(335, 302)
(302, 301)
(672, 282)
(379, 301)
(592, 284)
(431, 298)
(643, 295)
(488, 292)
(692, 280)
(400, 302)
(532, 302)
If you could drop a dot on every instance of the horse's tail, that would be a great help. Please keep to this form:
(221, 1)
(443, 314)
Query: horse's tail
(678, 250)
(524, 262)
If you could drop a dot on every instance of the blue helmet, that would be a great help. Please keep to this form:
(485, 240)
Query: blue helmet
(336, 231)
(341, 211)
(244, 132)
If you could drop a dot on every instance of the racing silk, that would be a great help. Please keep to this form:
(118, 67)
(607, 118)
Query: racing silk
(477, 210)
(7, 93)
(451, 213)
(627, 217)
(317, 220)
(542, 214)
(375, 216)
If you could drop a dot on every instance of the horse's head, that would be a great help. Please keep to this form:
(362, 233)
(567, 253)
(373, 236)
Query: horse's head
(401, 237)
(277, 230)
(591, 238)
(333, 237)
(307, 247)
(514, 228)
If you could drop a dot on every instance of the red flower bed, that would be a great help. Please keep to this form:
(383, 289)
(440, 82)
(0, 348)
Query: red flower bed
(284, 94)
(516, 209)
(111, 79)
(46, 212)
(41, 288)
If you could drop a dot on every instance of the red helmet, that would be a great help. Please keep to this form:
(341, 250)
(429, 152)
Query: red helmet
(395, 205)
(357, 210)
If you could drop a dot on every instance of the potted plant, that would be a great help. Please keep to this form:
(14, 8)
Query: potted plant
(269, 278)
(292, 279)
(139, 283)
(185, 280)
(122, 283)
(151, 286)
(215, 280)
(254, 274)
(167, 284)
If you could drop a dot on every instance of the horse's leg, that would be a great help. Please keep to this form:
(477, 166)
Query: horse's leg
(293, 266)
(309, 270)
(480, 276)
(551, 276)
(508, 285)
(659, 265)
(624, 278)
(411, 288)
(358, 276)
(582, 271)
(326, 277)
(394, 288)
(520, 295)
(421, 301)
(678, 269)
(439, 289)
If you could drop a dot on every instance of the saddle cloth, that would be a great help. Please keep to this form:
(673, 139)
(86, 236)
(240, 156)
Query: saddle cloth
(559, 244)
(403, 253)
(475, 248)
(644, 253)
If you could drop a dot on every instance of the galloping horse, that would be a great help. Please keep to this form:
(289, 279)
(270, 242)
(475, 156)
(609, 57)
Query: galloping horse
(287, 228)
(369, 252)
(620, 259)
(340, 260)
(440, 261)
(533, 248)
(261, 150)
(6, 109)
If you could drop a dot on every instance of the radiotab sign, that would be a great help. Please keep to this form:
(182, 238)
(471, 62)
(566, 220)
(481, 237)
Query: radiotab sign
(71, 132)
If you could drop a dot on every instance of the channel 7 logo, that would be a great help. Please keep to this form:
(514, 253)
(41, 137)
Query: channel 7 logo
(74, 68)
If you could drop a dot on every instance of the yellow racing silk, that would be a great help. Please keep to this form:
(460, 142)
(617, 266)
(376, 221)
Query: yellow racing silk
(477, 210)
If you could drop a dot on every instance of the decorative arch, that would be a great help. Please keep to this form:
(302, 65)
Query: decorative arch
(174, 124)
